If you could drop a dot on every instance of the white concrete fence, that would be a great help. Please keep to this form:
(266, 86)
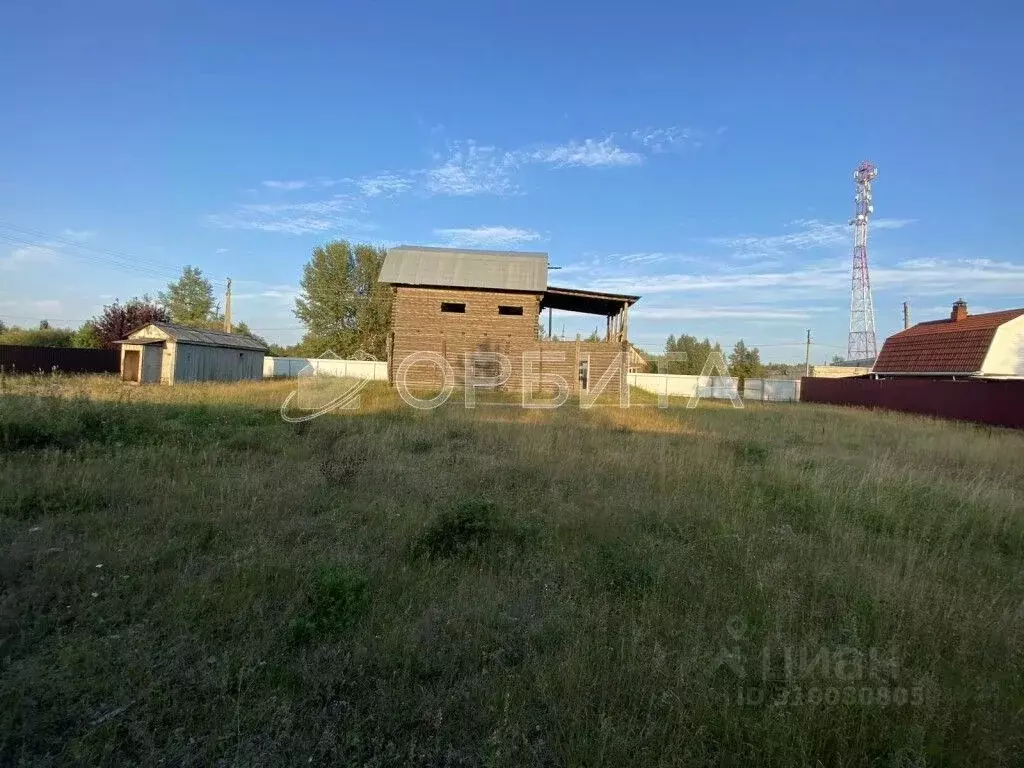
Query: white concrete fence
(676, 385)
(290, 367)
(721, 387)
(772, 390)
(672, 385)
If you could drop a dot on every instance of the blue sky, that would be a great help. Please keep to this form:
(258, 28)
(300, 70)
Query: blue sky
(700, 156)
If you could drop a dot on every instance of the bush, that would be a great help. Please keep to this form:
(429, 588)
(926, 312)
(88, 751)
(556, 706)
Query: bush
(457, 531)
(336, 600)
(39, 337)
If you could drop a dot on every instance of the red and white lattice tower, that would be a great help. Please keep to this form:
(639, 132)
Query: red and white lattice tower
(862, 344)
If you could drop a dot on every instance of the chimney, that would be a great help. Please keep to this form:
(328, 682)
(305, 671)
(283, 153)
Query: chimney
(959, 311)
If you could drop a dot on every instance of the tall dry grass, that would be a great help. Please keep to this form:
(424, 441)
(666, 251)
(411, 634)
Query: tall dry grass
(187, 578)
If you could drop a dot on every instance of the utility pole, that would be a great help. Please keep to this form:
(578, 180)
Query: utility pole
(227, 308)
(549, 323)
(906, 315)
(807, 356)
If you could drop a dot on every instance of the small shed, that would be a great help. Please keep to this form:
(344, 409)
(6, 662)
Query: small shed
(165, 353)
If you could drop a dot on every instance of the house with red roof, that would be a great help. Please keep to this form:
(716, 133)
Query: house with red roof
(988, 345)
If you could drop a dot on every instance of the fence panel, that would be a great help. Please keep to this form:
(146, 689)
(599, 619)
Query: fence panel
(678, 385)
(999, 402)
(753, 389)
(15, 358)
(290, 367)
(771, 390)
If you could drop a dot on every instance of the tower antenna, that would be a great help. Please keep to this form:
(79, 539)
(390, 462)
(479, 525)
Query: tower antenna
(862, 344)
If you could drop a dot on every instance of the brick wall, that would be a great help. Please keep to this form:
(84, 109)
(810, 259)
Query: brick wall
(419, 325)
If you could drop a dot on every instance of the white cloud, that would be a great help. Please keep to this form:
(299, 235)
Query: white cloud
(32, 307)
(471, 237)
(739, 312)
(590, 153)
(669, 139)
(285, 294)
(952, 278)
(285, 185)
(79, 235)
(337, 212)
(384, 185)
(813, 278)
(27, 255)
(221, 250)
(471, 169)
(643, 258)
(810, 233)
(891, 223)
(807, 234)
(915, 277)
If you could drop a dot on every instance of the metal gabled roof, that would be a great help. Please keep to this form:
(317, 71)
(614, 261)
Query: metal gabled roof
(203, 337)
(461, 268)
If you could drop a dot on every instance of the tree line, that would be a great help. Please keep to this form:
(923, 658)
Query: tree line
(687, 355)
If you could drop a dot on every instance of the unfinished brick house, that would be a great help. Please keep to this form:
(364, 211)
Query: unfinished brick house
(457, 303)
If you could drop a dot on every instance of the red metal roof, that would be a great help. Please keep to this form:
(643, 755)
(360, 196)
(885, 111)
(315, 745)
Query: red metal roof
(942, 346)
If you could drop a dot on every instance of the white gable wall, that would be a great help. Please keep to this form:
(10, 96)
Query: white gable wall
(1006, 353)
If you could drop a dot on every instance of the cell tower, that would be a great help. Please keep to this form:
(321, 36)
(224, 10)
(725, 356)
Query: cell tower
(862, 344)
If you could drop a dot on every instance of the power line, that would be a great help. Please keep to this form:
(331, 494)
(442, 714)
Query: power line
(94, 254)
(91, 258)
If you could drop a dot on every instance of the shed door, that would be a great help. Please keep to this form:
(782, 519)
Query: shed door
(152, 360)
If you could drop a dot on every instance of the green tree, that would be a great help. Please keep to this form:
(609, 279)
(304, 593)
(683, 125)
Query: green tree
(745, 362)
(686, 354)
(189, 300)
(837, 360)
(594, 336)
(86, 338)
(341, 304)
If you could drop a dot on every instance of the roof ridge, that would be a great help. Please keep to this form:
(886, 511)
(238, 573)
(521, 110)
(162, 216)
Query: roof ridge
(469, 251)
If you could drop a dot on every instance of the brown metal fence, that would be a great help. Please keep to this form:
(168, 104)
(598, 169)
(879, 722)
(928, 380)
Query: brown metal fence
(1000, 403)
(19, 359)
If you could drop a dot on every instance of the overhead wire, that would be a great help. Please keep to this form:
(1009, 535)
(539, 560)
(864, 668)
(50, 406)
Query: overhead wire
(27, 237)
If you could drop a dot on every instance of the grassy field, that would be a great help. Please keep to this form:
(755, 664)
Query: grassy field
(186, 579)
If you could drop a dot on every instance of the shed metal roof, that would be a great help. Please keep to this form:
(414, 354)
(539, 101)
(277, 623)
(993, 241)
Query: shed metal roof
(455, 268)
(204, 338)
